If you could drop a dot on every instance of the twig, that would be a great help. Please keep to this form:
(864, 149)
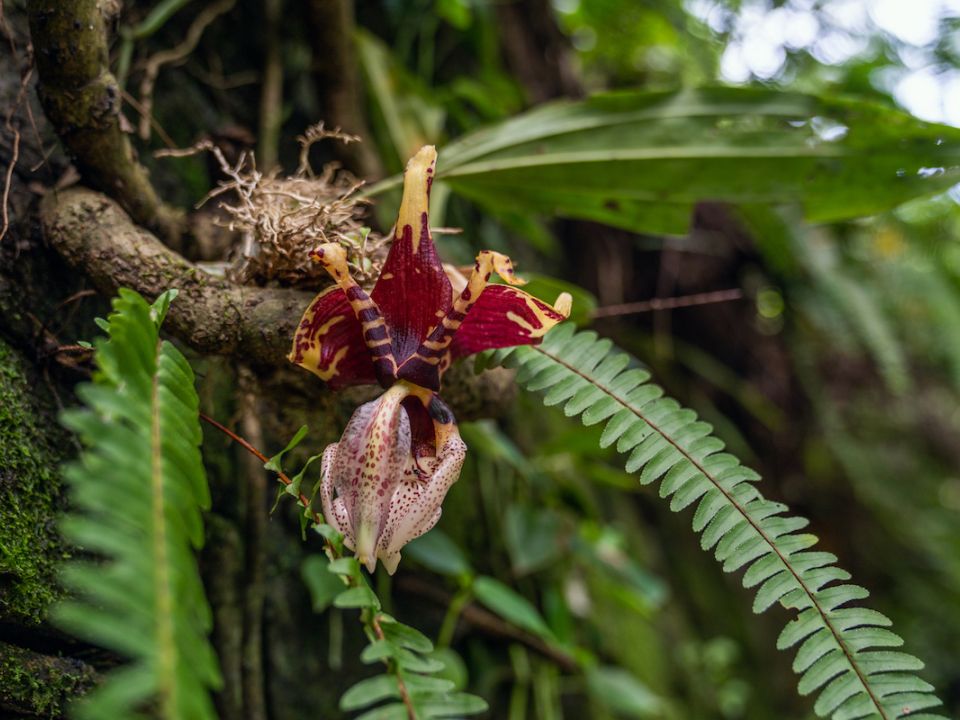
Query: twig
(79, 349)
(314, 134)
(8, 124)
(219, 81)
(8, 181)
(668, 303)
(79, 295)
(304, 501)
(180, 52)
(135, 104)
(281, 219)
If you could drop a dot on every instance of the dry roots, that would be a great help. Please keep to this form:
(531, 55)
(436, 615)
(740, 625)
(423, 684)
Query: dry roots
(281, 219)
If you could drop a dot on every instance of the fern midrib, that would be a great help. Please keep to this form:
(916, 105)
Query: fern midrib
(813, 599)
(166, 661)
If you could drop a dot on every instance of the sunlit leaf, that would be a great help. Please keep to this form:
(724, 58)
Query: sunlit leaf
(641, 160)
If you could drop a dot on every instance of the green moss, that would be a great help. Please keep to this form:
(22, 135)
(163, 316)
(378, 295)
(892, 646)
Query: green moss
(40, 685)
(31, 448)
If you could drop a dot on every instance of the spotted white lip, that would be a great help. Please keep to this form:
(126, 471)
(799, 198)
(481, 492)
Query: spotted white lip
(374, 491)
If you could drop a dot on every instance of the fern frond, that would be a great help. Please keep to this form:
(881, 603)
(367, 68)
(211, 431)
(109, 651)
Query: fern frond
(410, 686)
(136, 495)
(843, 650)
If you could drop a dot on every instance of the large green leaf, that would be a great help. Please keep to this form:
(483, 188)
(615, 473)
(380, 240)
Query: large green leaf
(640, 160)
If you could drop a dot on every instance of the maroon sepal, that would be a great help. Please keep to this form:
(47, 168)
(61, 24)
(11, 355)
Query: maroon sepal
(504, 317)
(413, 291)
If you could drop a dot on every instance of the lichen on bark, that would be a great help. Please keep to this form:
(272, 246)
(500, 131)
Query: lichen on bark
(31, 448)
(40, 685)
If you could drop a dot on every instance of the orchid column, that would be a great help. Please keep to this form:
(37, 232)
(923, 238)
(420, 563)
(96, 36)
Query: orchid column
(384, 482)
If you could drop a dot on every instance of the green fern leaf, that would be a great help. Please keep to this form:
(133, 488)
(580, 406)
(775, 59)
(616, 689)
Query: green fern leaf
(414, 693)
(840, 648)
(137, 493)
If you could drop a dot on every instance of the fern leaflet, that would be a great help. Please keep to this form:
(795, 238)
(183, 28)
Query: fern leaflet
(137, 492)
(842, 648)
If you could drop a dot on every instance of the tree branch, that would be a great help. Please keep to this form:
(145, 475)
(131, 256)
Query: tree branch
(213, 315)
(82, 100)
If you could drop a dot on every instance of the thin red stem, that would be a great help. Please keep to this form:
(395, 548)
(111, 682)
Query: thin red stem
(304, 500)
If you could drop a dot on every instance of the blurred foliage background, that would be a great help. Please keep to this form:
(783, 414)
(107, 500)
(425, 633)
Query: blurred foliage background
(835, 374)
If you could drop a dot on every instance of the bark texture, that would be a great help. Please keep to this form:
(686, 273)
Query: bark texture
(212, 315)
(82, 100)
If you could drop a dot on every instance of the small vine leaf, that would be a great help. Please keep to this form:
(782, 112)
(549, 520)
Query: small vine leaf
(370, 691)
(275, 464)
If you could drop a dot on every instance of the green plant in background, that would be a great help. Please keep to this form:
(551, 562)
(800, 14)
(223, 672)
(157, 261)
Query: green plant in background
(642, 160)
(139, 488)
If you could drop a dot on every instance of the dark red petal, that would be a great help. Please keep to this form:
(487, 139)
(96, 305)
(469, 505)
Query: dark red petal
(329, 342)
(504, 317)
(432, 357)
(430, 423)
(422, 434)
(413, 291)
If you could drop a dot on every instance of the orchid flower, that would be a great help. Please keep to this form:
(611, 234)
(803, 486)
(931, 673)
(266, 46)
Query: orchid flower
(383, 484)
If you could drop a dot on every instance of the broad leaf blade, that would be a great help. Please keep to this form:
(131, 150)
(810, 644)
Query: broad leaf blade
(641, 160)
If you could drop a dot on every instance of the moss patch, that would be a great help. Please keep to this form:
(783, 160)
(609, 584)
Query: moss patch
(31, 448)
(38, 684)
